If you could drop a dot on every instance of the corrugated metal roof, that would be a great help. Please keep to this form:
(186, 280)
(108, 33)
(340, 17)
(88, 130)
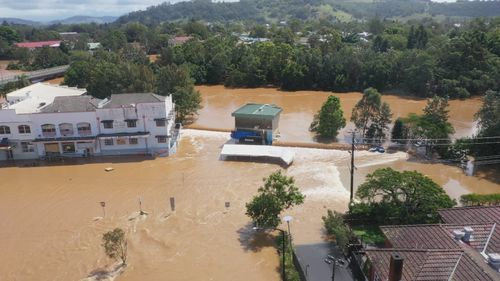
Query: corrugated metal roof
(257, 110)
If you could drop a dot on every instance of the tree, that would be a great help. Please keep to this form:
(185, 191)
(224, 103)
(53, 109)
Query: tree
(176, 81)
(278, 193)
(370, 115)
(436, 109)
(335, 226)
(488, 118)
(392, 197)
(115, 245)
(114, 40)
(330, 118)
(78, 74)
(399, 133)
(106, 79)
(380, 124)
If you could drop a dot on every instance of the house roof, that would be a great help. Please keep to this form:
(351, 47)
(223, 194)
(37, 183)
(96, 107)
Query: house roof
(257, 110)
(33, 98)
(180, 39)
(127, 100)
(471, 214)
(39, 44)
(429, 265)
(419, 237)
(72, 104)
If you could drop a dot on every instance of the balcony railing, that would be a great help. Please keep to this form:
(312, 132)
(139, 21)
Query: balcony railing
(49, 134)
(84, 132)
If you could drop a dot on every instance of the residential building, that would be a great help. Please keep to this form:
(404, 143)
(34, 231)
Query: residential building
(77, 125)
(465, 247)
(179, 40)
(39, 44)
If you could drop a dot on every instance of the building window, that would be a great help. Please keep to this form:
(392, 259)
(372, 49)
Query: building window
(108, 124)
(27, 146)
(4, 130)
(24, 129)
(66, 129)
(68, 147)
(160, 122)
(48, 130)
(121, 141)
(161, 139)
(84, 129)
(131, 123)
(133, 141)
(108, 142)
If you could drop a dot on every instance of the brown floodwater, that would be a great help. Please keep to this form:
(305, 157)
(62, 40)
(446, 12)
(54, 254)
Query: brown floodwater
(300, 107)
(49, 229)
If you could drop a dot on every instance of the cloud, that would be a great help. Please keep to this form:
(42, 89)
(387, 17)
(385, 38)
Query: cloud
(59, 9)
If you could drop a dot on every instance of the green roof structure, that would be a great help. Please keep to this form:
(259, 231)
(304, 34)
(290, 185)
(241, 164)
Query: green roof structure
(256, 110)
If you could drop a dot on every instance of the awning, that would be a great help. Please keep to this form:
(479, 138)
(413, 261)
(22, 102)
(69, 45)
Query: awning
(4, 142)
(87, 138)
(106, 121)
(121, 135)
(160, 119)
(130, 120)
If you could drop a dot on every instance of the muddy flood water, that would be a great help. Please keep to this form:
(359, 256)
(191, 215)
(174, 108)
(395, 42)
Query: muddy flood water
(51, 226)
(300, 107)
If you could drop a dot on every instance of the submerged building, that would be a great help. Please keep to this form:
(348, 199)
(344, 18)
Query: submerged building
(256, 123)
(45, 121)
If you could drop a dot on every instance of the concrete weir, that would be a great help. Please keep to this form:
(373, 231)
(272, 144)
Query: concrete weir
(284, 154)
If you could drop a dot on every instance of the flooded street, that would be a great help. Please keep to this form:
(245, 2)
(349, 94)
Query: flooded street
(50, 229)
(299, 109)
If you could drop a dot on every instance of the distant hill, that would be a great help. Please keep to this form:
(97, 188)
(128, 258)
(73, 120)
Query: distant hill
(70, 20)
(19, 21)
(278, 10)
(84, 19)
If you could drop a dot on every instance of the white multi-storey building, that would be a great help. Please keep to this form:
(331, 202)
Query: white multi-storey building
(81, 126)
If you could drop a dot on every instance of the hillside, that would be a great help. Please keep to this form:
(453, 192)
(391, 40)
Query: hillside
(277, 10)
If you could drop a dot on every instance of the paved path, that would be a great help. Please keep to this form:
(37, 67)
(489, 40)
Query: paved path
(318, 270)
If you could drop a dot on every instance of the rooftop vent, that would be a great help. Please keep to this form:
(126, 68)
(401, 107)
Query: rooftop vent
(396, 267)
(467, 234)
(458, 234)
(494, 260)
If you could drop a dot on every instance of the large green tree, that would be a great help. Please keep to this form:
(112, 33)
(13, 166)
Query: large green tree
(330, 118)
(371, 115)
(278, 193)
(391, 197)
(176, 81)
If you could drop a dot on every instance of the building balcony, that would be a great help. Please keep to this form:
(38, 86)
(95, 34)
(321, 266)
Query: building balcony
(48, 134)
(84, 132)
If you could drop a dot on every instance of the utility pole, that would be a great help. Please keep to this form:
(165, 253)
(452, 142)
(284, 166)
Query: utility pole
(352, 165)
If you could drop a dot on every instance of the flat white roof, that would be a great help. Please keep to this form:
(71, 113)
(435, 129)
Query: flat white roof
(32, 98)
(247, 150)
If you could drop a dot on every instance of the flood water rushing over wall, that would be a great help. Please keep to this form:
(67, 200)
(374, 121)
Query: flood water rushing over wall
(50, 228)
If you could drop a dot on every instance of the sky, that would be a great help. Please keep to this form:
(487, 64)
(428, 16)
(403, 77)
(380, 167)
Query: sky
(44, 10)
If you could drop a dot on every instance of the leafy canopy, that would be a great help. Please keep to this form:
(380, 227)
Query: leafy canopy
(278, 193)
(330, 119)
(392, 197)
(115, 245)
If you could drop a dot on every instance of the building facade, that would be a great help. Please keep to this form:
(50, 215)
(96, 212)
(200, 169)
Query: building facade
(82, 126)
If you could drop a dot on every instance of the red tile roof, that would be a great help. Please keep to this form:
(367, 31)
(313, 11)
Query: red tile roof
(471, 214)
(431, 236)
(440, 236)
(39, 44)
(429, 265)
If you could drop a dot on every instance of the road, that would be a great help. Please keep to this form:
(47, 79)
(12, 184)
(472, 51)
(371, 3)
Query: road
(312, 256)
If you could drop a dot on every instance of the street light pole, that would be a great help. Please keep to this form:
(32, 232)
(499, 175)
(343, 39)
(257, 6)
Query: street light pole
(283, 252)
(334, 266)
